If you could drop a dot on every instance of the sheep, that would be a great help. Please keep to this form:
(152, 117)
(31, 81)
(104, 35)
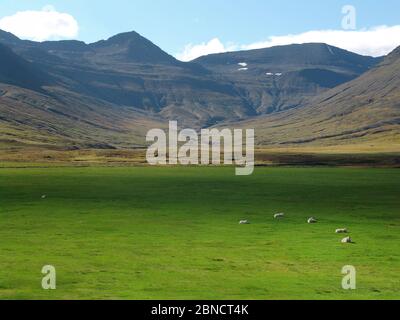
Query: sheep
(44, 196)
(279, 215)
(347, 240)
(344, 230)
(244, 222)
(312, 220)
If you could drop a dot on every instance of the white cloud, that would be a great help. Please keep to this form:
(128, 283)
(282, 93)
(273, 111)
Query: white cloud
(192, 52)
(376, 41)
(46, 24)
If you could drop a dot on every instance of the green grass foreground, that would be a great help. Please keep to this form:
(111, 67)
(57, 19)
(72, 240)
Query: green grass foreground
(173, 233)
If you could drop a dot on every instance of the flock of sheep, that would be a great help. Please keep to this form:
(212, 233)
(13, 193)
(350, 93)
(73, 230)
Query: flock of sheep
(309, 221)
(282, 215)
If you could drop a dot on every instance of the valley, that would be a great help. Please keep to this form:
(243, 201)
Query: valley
(108, 94)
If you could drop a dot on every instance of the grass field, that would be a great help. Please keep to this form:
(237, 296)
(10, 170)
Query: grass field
(173, 233)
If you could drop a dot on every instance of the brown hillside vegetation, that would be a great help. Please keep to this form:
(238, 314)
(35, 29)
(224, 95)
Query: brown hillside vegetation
(66, 120)
(363, 111)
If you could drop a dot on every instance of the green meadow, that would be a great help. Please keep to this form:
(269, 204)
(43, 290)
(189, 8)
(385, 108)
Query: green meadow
(173, 233)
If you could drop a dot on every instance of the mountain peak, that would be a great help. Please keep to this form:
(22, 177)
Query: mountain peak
(126, 37)
(132, 47)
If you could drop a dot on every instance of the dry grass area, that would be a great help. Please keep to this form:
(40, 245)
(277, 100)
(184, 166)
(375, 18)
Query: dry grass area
(32, 120)
(54, 157)
(349, 155)
(371, 148)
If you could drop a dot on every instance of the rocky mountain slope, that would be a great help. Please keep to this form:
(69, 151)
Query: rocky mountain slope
(19, 72)
(128, 70)
(66, 120)
(109, 93)
(365, 110)
(284, 77)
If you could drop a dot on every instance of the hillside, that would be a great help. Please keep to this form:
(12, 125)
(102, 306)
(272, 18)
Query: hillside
(19, 72)
(69, 94)
(365, 111)
(284, 77)
(129, 70)
(64, 120)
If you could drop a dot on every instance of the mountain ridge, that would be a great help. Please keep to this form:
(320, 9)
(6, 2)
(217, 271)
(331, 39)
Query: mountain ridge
(133, 78)
(267, 76)
(364, 110)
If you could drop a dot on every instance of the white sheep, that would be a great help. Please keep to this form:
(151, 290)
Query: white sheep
(279, 215)
(312, 220)
(347, 240)
(244, 222)
(344, 230)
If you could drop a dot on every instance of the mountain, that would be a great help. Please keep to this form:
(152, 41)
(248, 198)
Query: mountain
(63, 119)
(44, 100)
(108, 94)
(365, 111)
(17, 71)
(131, 47)
(129, 70)
(284, 77)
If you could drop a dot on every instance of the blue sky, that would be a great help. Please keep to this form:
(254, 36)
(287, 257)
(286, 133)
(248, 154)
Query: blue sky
(175, 24)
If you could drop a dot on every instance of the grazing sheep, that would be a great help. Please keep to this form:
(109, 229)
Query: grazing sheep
(44, 196)
(347, 240)
(279, 215)
(312, 220)
(344, 230)
(244, 222)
